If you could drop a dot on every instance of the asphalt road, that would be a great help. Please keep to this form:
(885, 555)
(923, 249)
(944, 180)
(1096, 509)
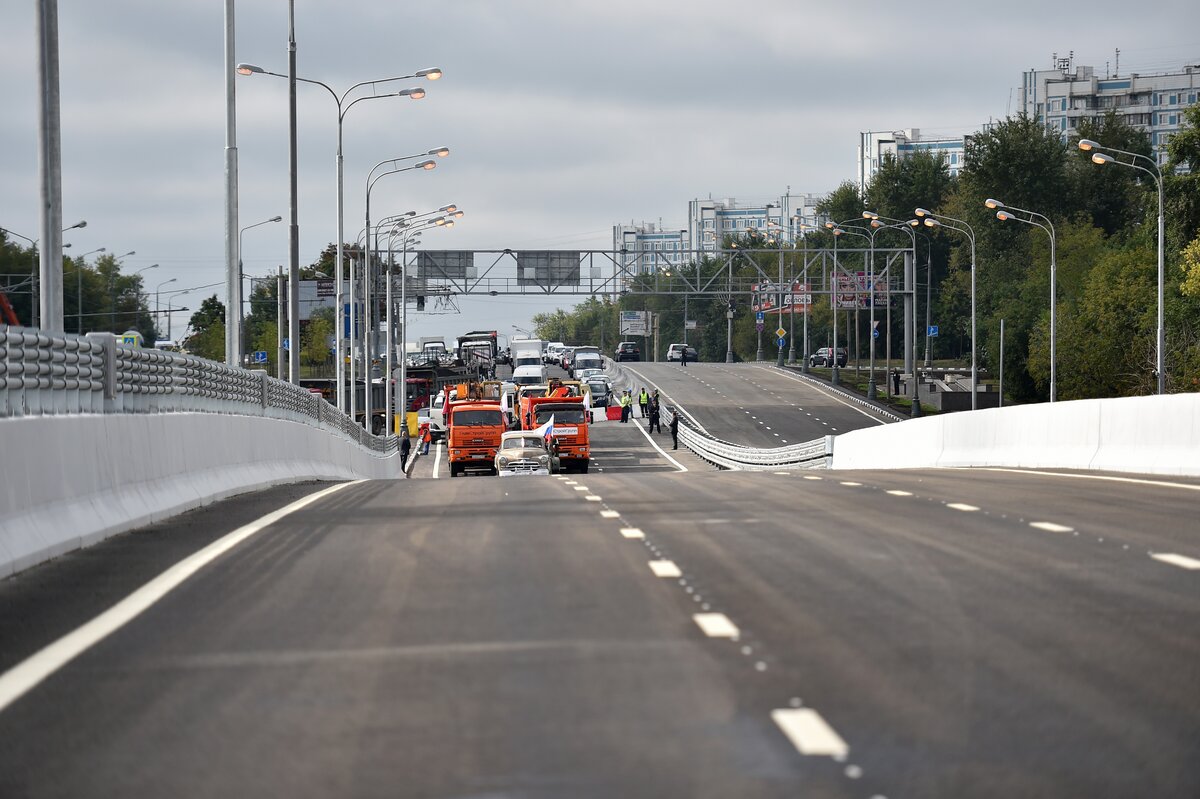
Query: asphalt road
(928, 633)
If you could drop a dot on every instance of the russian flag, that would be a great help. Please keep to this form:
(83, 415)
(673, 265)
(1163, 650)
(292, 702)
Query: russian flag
(547, 430)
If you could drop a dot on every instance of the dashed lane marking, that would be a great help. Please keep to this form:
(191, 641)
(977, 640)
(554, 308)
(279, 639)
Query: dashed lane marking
(898, 493)
(1051, 527)
(716, 625)
(812, 477)
(592, 498)
(850, 483)
(962, 506)
(632, 532)
(665, 568)
(1177, 560)
(609, 514)
(581, 488)
(809, 733)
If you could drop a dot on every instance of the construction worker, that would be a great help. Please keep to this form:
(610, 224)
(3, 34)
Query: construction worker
(644, 401)
(426, 438)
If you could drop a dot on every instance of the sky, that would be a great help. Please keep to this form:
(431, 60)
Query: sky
(563, 118)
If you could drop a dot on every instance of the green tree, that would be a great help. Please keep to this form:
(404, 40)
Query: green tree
(206, 337)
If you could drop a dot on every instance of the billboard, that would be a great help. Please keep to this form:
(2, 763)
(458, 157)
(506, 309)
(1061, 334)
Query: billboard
(635, 323)
(548, 268)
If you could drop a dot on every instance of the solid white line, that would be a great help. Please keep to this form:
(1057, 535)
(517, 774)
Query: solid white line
(1109, 477)
(829, 394)
(716, 625)
(809, 733)
(1051, 527)
(23, 677)
(437, 460)
(1178, 560)
(962, 506)
(665, 568)
(632, 532)
(609, 514)
(898, 493)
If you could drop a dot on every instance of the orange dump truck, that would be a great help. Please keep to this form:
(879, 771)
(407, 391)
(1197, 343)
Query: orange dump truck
(570, 430)
(473, 431)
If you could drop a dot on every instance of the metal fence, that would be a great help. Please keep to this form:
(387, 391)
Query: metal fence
(52, 374)
(815, 454)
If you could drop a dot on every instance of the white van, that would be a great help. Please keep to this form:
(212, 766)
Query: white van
(529, 375)
(553, 352)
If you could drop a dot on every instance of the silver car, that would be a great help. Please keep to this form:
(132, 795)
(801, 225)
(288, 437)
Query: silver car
(522, 452)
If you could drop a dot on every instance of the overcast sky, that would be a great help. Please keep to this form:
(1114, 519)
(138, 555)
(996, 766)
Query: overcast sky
(563, 118)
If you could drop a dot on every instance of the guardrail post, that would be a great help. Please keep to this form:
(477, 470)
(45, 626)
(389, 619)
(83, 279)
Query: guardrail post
(829, 451)
(108, 347)
(263, 395)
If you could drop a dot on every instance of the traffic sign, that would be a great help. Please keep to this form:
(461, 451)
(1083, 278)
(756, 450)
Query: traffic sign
(260, 356)
(759, 327)
(782, 342)
(875, 333)
(760, 316)
(781, 332)
(932, 331)
(287, 344)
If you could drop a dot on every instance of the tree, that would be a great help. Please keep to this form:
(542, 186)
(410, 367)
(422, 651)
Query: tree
(207, 330)
(1117, 199)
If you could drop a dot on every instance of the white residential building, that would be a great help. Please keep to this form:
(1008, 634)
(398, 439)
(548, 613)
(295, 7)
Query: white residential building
(646, 248)
(1154, 103)
(875, 145)
(710, 221)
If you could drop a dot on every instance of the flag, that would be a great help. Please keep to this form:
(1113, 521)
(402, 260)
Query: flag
(546, 431)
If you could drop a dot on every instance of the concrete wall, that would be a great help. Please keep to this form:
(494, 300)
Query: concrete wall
(70, 481)
(1151, 435)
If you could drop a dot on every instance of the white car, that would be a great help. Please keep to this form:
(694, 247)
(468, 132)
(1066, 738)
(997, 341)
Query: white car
(522, 452)
(582, 375)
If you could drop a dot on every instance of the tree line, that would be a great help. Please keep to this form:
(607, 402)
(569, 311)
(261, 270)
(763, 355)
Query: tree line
(1105, 221)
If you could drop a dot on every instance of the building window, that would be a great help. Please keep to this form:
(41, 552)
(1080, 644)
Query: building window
(708, 224)
(1173, 99)
(1173, 120)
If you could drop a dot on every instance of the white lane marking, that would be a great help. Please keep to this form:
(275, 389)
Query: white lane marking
(592, 498)
(850, 483)
(809, 733)
(437, 460)
(1177, 560)
(609, 514)
(1110, 478)
(632, 532)
(570, 483)
(833, 397)
(23, 677)
(898, 493)
(716, 625)
(812, 477)
(665, 568)
(962, 506)
(786, 474)
(581, 488)
(1051, 527)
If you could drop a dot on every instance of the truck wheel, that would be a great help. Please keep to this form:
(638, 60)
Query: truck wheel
(584, 467)
(453, 470)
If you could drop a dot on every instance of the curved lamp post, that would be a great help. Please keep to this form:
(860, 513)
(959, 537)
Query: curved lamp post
(432, 73)
(933, 220)
(877, 224)
(1006, 214)
(838, 231)
(1102, 158)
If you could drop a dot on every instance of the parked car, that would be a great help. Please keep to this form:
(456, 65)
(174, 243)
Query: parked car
(824, 357)
(675, 353)
(628, 351)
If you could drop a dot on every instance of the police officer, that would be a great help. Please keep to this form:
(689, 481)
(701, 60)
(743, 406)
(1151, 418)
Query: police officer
(675, 429)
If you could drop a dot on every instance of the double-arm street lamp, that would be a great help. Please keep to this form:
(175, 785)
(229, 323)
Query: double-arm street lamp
(35, 302)
(1102, 158)
(237, 318)
(343, 108)
(933, 220)
(1005, 214)
(838, 231)
(877, 224)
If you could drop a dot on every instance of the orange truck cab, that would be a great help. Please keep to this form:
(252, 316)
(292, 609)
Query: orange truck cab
(473, 431)
(570, 427)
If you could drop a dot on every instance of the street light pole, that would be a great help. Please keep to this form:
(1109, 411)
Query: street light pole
(933, 220)
(1005, 215)
(237, 317)
(1101, 158)
(156, 295)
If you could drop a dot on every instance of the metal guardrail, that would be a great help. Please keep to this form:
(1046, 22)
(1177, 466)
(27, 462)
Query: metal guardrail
(46, 374)
(815, 454)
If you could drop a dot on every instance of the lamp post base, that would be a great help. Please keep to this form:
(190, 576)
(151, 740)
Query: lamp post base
(835, 378)
(872, 391)
(779, 360)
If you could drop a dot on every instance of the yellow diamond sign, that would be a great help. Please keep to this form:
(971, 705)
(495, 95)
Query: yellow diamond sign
(780, 333)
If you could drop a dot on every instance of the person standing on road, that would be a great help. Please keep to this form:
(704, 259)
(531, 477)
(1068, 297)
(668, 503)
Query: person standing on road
(683, 356)
(405, 450)
(654, 414)
(426, 437)
(626, 406)
(644, 401)
(675, 429)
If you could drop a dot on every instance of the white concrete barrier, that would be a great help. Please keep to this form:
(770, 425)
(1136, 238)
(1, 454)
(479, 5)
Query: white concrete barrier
(1151, 435)
(70, 481)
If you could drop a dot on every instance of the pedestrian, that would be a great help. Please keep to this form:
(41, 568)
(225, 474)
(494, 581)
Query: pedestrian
(426, 437)
(644, 401)
(405, 450)
(675, 429)
(626, 406)
(654, 412)
(895, 381)
(683, 356)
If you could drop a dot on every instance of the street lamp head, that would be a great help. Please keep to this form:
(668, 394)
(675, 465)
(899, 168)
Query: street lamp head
(921, 212)
(409, 213)
(249, 69)
(870, 215)
(80, 224)
(449, 223)
(427, 165)
(1003, 216)
(275, 219)
(837, 231)
(457, 214)
(439, 221)
(415, 94)
(830, 225)
(433, 73)
(875, 223)
(931, 222)
(440, 152)
(1087, 145)
(914, 222)
(993, 204)
(1101, 158)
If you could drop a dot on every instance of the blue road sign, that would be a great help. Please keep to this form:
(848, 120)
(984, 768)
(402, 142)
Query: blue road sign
(287, 344)
(760, 316)
(932, 331)
(875, 333)
(782, 341)
(260, 356)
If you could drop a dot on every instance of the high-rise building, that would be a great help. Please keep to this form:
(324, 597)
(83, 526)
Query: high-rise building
(875, 145)
(1153, 103)
(647, 248)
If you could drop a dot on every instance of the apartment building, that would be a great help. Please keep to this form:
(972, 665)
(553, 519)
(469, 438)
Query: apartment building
(875, 145)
